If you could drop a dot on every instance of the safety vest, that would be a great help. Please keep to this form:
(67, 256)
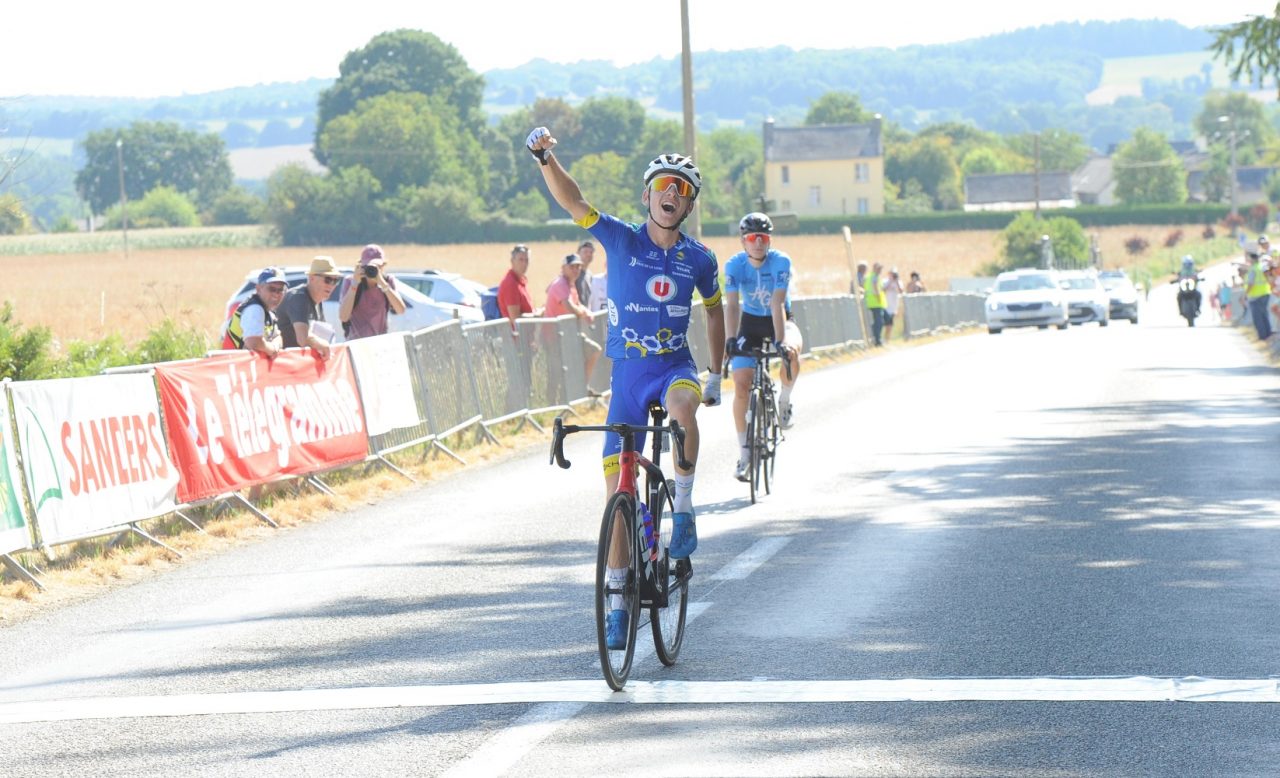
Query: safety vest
(1255, 283)
(874, 294)
(234, 336)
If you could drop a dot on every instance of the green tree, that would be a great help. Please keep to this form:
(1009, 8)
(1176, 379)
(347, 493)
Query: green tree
(14, 219)
(1250, 47)
(406, 140)
(1224, 112)
(732, 165)
(436, 213)
(155, 154)
(982, 161)
(238, 206)
(837, 108)
(308, 209)
(1059, 149)
(610, 124)
(910, 198)
(1147, 170)
(604, 177)
(410, 61)
(163, 206)
(529, 205)
(1020, 242)
(930, 163)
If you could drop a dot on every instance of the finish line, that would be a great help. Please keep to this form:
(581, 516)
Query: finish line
(1066, 689)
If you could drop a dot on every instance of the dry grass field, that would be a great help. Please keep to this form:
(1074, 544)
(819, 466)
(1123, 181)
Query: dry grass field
(88, 296)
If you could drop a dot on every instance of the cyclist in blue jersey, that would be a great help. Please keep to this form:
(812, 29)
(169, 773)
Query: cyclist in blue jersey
(653, 270)
(757, 284)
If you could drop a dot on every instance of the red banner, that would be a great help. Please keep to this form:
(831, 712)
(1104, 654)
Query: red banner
(241, 419)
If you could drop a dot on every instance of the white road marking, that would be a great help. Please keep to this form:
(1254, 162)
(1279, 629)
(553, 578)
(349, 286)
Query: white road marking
(747, 562)
(567, 697)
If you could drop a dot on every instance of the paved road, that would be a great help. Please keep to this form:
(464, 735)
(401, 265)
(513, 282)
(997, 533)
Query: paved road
(955, 526)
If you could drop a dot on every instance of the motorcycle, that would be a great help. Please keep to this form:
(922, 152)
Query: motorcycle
(1189, 299)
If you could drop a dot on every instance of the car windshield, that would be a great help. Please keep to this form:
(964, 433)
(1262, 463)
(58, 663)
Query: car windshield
(1024, 283)
(1079, 283)
(1114, 283)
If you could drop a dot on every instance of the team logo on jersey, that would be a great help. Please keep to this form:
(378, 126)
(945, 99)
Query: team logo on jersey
(677, 311)
(613, 313)
(661, 287)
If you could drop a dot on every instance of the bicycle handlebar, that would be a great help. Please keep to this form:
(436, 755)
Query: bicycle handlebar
(560, 430)
(757, 354)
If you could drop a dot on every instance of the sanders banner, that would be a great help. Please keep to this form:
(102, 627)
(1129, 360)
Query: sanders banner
(13, 521)
(241, 419)
(93, 453)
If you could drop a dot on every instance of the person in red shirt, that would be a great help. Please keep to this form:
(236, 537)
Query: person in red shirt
(513, 292)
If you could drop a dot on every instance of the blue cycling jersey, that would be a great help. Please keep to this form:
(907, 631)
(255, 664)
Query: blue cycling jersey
(755, 286)
(651, 288)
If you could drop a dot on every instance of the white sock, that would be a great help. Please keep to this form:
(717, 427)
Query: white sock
(684, 493)
(744, 449)
(784, 396)
(617, 579)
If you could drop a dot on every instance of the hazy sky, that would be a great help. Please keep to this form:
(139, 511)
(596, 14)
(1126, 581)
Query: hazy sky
(149, 48)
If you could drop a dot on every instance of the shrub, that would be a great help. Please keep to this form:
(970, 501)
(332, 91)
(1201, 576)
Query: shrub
(1136, 245)
(1257, 217)
(24, 355)
(163, 206)
(1173, 239)
(237, 206)
(1232, 222)
(1209, 232)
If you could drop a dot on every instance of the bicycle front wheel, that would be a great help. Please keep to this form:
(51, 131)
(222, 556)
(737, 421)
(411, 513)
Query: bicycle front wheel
(769, 442)
(754, 414)
(668, 621)
(617, 587)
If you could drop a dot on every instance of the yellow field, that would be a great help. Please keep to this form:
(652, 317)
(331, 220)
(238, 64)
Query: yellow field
(87, 296)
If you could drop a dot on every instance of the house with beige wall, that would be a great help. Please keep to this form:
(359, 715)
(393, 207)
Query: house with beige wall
(825, 170)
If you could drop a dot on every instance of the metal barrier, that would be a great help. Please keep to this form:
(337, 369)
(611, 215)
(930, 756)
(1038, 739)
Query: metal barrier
(931, 313)
(443, 368)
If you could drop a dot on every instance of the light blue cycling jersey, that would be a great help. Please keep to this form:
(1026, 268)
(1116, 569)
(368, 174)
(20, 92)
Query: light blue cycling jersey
(755, 286)
(650, 288)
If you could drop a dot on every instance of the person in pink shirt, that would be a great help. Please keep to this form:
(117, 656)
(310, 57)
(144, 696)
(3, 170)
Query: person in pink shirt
(562, 298)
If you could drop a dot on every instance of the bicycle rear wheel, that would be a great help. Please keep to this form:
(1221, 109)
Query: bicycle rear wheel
(754, 413)
(668, 622)
(615, 541)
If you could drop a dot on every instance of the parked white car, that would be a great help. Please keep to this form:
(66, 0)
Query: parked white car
(444, 287)
(1026, 298)
(420, 310)
(1087, 299)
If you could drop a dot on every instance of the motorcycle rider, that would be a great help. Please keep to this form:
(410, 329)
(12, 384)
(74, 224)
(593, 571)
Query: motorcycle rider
(1188, 282)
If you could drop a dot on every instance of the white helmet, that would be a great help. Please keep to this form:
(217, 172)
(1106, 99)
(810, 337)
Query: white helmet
(677, 164)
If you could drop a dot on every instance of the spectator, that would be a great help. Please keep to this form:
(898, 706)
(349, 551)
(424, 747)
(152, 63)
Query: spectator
(254, 325)
(513, 292)
(368, 296)
(892, 289)
(562, 298)
(856, 288)
(587, 251)
(874, 296)
(915, 285)
(302, 314)
(1258, 290)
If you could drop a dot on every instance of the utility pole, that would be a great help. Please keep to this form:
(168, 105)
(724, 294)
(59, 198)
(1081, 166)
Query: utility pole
(690, 135)
(1231, 139)
(124, 202)
(1037, 145)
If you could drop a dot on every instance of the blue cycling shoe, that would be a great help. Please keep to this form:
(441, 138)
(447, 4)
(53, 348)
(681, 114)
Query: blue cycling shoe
(684, 535)
(615, 630)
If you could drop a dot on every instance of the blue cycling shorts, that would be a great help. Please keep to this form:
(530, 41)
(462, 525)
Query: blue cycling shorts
(637, 382)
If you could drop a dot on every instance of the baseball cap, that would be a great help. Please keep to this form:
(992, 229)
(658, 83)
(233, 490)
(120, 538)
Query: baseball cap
(372, 255)
(573, 259)
(323, 266)
(272, 274)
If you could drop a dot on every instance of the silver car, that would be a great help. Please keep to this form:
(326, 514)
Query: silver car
(1026, 298)
(1087, 300)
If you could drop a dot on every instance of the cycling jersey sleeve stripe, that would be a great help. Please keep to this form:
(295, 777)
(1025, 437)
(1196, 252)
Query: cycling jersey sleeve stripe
(589, 221)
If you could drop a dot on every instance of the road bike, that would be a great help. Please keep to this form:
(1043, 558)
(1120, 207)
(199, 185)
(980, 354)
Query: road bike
(639, 532)
(764, 432)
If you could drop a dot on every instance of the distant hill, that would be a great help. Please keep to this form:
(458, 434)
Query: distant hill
(1067, 75)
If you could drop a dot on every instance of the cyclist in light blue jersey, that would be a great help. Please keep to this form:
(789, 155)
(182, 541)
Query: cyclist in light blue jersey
(653, 270)
(757, 284)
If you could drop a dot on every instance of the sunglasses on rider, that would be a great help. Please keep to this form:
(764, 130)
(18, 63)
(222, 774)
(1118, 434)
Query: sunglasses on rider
(756, 237)
(663, 183)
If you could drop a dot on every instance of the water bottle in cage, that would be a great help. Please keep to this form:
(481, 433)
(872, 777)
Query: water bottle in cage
(650, 539)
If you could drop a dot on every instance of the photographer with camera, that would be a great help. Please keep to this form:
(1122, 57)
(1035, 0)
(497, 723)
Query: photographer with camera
(367, 296)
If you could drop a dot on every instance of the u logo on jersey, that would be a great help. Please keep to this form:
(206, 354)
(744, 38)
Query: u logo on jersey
(661, 287)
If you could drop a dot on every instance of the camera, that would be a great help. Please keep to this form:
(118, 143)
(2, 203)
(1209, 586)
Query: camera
(371, 271)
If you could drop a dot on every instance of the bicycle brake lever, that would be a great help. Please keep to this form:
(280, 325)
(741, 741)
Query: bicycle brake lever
(557, 445)
(677, 432)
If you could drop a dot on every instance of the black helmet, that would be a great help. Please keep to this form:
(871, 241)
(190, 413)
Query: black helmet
(755, 222)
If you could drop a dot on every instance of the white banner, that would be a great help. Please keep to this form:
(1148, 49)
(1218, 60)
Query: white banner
(386, 384)
(93, 453)
(14, 535)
